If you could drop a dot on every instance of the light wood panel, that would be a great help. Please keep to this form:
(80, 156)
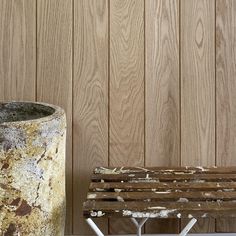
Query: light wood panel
(115, 113)
(225, 92)
(126, 89)
(17, 49)
(162, 92)
(90, 104)
(54, 70)
(198, 88)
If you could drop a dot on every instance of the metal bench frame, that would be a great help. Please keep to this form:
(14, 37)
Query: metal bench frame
(139, 226)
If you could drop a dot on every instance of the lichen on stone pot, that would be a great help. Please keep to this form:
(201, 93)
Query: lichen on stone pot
(32, 169)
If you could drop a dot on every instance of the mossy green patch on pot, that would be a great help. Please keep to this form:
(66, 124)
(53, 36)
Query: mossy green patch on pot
(32, 164)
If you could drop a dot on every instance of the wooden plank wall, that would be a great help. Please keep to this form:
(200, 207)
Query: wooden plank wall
(143, 82)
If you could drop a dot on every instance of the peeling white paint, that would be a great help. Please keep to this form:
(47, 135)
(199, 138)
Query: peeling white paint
(160, 214)
(182, 199)
(100, 213)
(198, 181)
(120, 199)
(103, 170)
(91, 196)
(100, 190)
(117, 190)
(228, 189)
(178, 190)
(167, 191)
(93, 213)
(97, 214)
(156, 207)
(202, 168)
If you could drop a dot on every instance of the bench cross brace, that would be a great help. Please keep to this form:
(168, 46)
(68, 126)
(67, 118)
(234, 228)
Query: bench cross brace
(139, 226)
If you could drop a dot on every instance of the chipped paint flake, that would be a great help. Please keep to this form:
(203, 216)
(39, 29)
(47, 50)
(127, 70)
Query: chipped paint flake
(202, 168)
(120, 199)
(156, 207)
(117, 190)
(182, 199)
(179, 215)
(92, 196)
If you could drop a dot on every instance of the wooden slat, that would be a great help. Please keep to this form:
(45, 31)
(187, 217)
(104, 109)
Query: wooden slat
(162, 196)
(144, 177)
(159, 185)
(165, 170)
(160, 209)
(17, 50)
(198, 87)
(90, 104)
(126, 89)
(225, 92)
(54, 71)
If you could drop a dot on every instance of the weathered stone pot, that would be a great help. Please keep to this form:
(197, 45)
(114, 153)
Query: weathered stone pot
(32, 169)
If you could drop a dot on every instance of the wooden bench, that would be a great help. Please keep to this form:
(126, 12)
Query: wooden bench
(160, 192)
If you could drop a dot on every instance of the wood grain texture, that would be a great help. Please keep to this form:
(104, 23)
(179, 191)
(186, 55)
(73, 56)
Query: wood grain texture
(54, 70)
(90, 104)
(17, 49)
(198, 87)
(162, 92)
(225, 92)
(126, 90)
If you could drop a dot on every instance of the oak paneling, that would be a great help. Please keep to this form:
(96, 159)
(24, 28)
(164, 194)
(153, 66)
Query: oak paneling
(198, 88)
(162, 92)
(17, 49)
(126, 89)
(54, 70)
(138, 79)
(225, 92)
(90, 106)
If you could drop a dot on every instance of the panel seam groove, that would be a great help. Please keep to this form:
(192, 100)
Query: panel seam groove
(36, 51)
(72, 116)
(108, 87)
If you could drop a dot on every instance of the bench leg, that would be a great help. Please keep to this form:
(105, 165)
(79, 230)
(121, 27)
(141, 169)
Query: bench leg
(97, 231)
(188, 227)
(139, 225)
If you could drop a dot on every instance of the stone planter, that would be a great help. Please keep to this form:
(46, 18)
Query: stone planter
(32, 169)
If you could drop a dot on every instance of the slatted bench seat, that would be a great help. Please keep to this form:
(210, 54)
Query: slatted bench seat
(161, 192)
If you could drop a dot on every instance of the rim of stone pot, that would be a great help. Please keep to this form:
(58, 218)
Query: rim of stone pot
(57, 113)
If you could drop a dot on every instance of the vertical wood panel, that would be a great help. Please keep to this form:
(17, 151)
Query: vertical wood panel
(126, 88)
(90, 140)
(17, 49)
(54, 70)
(226, 92)
(162, 92)
(198, 87)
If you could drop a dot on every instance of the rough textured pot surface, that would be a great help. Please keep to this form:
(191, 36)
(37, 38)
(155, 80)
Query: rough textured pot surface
(32, 169)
